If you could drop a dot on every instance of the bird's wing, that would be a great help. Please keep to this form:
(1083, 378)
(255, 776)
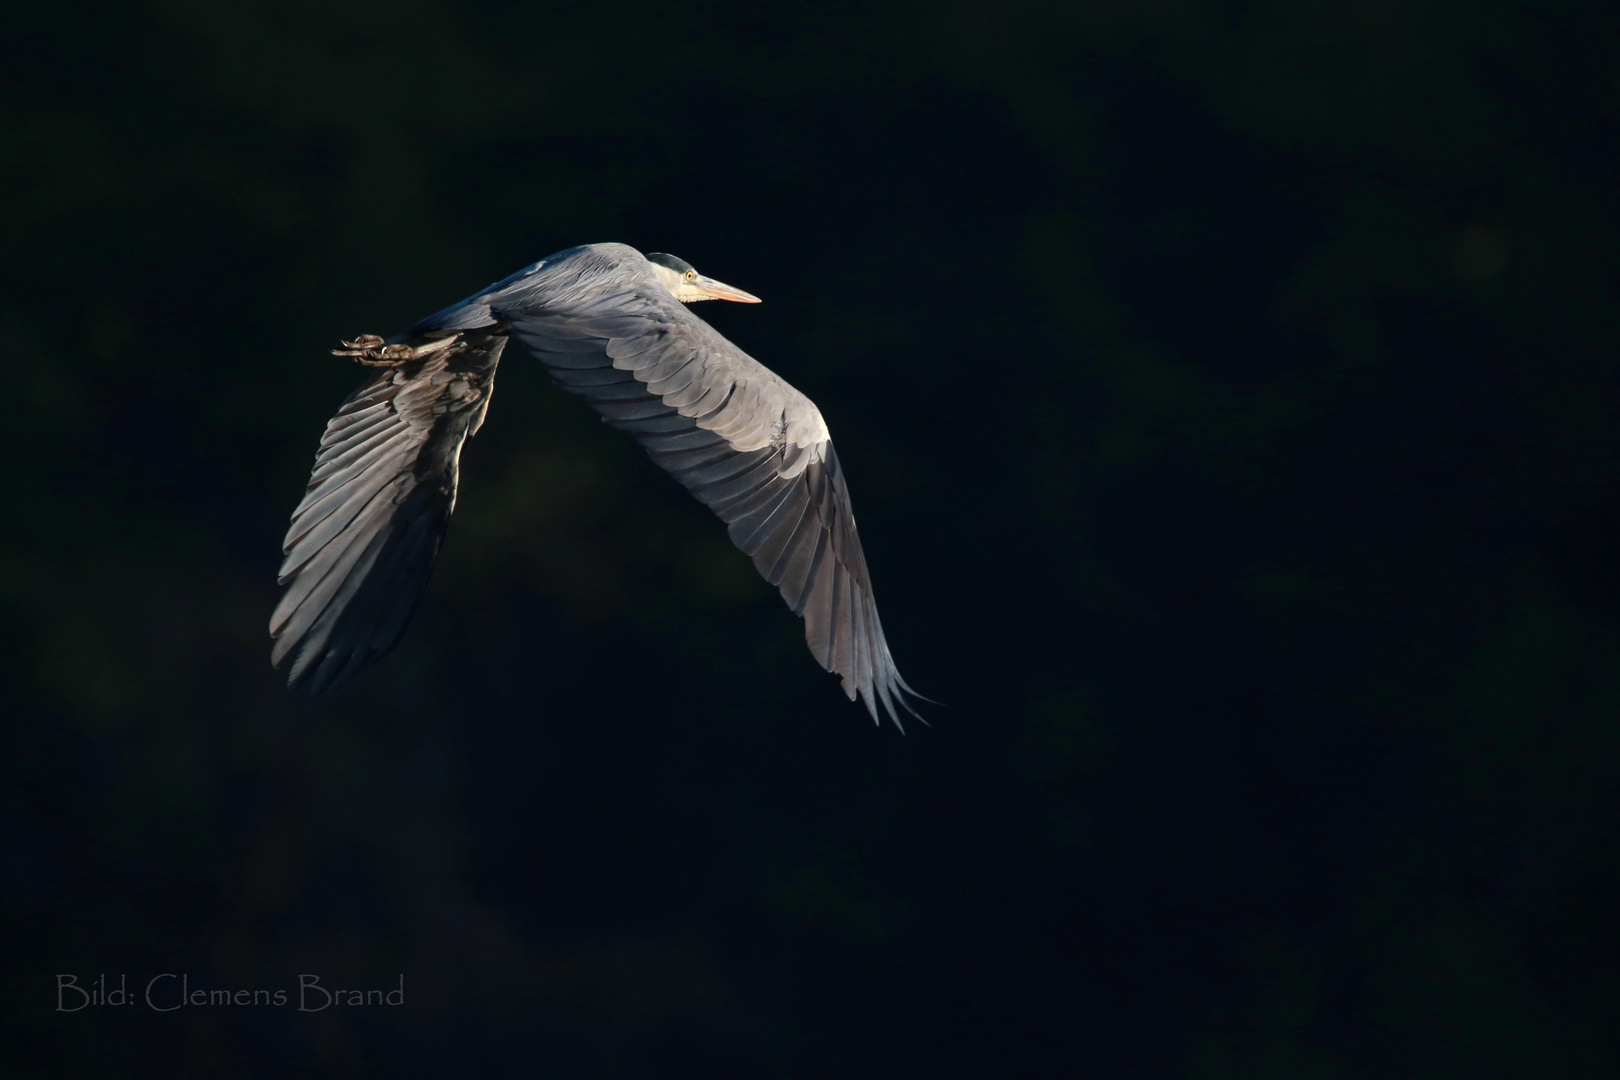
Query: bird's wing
(749, 446)
(363, 541)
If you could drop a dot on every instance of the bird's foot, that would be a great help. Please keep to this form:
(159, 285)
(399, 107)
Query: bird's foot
(369, 349)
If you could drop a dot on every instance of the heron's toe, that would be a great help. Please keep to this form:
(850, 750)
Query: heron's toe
(369, 349)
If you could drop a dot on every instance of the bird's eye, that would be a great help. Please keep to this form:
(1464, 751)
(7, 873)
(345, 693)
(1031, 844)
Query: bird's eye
(691, 275)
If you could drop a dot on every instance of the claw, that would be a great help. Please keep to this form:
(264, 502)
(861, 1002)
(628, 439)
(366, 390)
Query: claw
(363, 342)
(368, 349)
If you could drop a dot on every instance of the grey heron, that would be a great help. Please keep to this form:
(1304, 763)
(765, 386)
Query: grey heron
(612, 326)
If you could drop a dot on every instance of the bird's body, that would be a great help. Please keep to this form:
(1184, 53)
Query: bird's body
(610, 326)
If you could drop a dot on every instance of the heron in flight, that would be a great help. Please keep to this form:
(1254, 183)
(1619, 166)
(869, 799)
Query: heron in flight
(610, 325)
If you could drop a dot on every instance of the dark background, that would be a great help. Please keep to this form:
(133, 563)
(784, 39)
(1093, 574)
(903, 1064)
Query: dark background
(1228, 397)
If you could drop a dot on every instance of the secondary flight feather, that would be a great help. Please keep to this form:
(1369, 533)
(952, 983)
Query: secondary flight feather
(611, 326)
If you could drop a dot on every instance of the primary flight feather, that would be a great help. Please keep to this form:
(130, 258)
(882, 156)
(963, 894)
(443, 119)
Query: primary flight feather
(610, 325)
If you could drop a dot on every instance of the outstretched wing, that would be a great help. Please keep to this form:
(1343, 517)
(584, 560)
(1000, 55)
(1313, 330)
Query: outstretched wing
(362, 543)
(749, 446)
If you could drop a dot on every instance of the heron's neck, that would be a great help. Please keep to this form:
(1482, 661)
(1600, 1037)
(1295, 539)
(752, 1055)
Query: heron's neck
(669, 279)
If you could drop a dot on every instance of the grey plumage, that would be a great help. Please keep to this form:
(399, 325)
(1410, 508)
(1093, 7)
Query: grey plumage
(606, 323)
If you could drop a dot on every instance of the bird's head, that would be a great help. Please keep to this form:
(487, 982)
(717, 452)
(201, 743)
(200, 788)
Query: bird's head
(688, 286)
